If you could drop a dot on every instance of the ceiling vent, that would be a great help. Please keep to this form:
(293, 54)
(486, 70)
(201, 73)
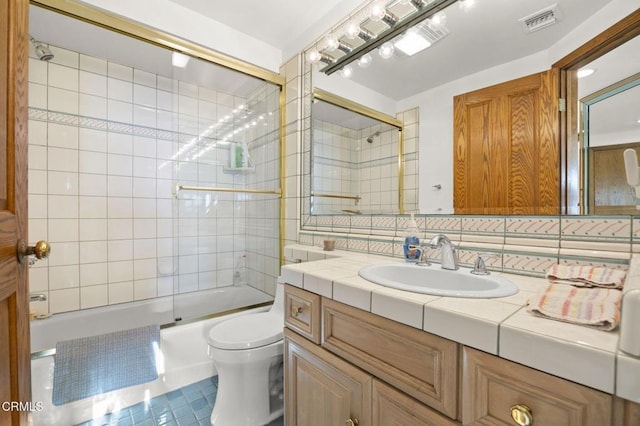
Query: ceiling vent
(541, 19)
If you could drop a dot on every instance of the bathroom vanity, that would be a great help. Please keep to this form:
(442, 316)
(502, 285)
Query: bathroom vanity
(346, 365)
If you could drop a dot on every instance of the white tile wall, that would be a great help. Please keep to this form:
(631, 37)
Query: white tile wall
(107, 142)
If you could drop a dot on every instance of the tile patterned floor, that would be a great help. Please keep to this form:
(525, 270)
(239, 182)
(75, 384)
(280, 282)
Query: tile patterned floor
(188, 406)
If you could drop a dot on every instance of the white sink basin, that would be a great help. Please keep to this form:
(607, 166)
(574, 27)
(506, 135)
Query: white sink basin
(437, 281)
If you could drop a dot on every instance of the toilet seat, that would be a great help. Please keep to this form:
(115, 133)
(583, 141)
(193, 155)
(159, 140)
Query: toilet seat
(247, 332)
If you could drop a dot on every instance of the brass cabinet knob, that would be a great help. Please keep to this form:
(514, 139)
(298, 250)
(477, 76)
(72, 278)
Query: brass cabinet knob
(41, 250)
(296, 311)
(522, 415)
(351, 422)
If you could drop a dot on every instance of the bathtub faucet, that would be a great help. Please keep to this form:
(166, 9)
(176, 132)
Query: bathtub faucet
(37, 297)
(448, 255)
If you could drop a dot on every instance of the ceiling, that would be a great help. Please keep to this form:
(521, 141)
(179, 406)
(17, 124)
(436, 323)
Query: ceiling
(276, 22)
(486, 35)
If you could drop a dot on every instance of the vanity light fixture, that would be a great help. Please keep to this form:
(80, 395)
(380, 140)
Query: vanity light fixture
(179, 60)
(389, 30)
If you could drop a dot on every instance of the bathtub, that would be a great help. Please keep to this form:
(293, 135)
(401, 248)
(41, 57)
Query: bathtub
(184, 349)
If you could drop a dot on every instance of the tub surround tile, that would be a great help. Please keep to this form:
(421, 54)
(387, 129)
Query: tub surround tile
(553, 346)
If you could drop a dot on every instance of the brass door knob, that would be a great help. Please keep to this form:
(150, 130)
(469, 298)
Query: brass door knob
(41, 250)
(522, 415)
(351, 422)
(296, 311)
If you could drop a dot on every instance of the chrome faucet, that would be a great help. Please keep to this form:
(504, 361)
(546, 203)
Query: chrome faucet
(448, 255)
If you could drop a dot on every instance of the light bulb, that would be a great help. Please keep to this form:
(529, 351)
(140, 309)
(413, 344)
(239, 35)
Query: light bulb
(353, 29)
(437, 21)
(365, 60)
(346, 71)
(466, 4)
(378, 11)
(313, 56)
(386, 50)
(331, 42)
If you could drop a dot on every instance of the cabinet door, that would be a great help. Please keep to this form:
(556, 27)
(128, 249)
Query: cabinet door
(394, 408)
(492, 386)
(321, 389)
(417, 363)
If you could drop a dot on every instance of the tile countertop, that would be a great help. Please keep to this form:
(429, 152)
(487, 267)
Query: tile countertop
(499, 326)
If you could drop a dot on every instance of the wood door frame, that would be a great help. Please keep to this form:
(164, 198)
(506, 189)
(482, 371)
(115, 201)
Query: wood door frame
(615, 36)
(15, 386)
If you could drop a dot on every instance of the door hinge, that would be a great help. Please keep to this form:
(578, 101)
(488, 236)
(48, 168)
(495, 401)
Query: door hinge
(562, 105)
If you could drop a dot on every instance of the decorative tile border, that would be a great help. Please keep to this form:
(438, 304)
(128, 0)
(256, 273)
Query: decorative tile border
(599, 228)
(524, 260)
(528, 245)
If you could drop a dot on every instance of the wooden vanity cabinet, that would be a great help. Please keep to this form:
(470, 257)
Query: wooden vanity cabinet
(373, 371)
(321, 389)
(492, 387)
(403, 375)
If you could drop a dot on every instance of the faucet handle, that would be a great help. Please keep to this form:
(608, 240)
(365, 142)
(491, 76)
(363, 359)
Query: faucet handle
(479, 266)
(423, 260)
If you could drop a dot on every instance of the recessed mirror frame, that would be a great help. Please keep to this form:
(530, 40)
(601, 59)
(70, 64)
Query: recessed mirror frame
(571, 173)
(341, 102)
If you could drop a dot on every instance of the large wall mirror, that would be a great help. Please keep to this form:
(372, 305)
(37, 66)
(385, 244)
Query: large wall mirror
(467, 56)
(356, 154)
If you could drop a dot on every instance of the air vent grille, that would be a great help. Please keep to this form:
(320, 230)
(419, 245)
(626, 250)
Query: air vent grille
(541, 19)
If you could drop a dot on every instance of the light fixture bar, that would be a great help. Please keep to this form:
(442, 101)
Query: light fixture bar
(421, 14)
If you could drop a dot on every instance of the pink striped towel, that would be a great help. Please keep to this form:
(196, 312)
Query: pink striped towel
(596, 307)
(586, 276)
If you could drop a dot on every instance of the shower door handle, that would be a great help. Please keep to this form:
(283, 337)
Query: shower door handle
(41, 250)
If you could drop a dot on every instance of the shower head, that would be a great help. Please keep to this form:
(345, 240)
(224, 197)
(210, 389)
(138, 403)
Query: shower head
(42, 52)
(370, 138)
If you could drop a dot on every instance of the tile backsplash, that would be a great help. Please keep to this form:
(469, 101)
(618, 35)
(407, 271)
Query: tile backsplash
(526, 245)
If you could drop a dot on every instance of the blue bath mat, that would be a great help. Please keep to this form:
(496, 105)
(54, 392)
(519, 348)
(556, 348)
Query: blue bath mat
(93, 365)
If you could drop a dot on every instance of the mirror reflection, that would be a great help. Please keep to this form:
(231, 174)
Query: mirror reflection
(467, 58)
(354, 162)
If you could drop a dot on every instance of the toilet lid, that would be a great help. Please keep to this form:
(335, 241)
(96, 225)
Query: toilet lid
(247, 331)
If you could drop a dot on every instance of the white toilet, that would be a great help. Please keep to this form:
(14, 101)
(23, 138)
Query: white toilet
(247, 351)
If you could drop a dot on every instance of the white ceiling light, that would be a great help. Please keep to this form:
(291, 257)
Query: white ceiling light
(353, 29)
(585, 72)
(437, 21)
(347, 71)
(365, 60)
(179, 60)
(386, 50)
(412, 42)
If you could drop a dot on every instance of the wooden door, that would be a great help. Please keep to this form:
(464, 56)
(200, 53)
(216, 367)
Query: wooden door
(15, 377)
(506, 148)
(322, 389)
(609, 192)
